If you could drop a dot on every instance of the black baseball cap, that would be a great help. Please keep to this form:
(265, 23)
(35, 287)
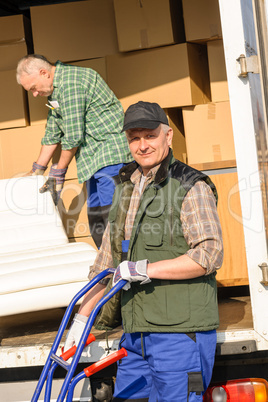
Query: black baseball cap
(144, 115)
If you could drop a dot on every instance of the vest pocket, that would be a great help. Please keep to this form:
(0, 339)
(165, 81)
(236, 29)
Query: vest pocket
(153, 241)
(153, 233)
(162, 305)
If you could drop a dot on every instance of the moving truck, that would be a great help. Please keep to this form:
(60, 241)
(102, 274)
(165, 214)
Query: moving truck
(239, 170)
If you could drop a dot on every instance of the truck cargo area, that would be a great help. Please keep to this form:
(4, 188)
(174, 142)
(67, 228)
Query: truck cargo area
(18, 333)
(214, 90)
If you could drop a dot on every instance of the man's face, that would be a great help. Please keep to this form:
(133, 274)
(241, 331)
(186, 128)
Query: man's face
(149, 147)
(39, 84)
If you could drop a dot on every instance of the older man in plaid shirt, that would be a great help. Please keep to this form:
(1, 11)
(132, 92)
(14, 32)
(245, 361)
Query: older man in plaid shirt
(86, 118)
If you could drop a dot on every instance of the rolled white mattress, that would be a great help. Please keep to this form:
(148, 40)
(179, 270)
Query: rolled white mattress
(39, 299)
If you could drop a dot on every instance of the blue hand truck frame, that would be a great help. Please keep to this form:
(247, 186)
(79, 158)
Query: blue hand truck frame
(53, 360)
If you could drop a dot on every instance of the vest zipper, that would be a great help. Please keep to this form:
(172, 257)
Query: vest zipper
(171, 225)
(142, 346)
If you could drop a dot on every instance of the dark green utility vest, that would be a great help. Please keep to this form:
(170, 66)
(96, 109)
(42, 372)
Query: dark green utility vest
(161, 305)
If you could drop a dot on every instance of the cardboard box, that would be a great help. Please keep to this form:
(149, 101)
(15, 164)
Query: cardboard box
(37, 106)
(234, 269)
(20, 147)
(217, 71)
(84, 239)
(138, 23)
(209, 133)
(175, 121)
(10, 54)
(37, 109)
(201, 20)
(13, 112)
(73, 209)
(14, 28)
(172, 76)
(14, 36)
(15, 40)
(98, 65)
(74, 31)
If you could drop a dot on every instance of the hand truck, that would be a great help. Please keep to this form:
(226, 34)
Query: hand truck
(53, 360)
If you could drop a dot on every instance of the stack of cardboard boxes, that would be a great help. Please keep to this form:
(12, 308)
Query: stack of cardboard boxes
(165, 51)
(209, 136)
(80, 33)
(13, 45)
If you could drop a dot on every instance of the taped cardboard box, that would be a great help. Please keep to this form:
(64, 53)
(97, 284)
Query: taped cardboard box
(217, 71)
(15, 40)
(77, 30)
(14, 36)
(175, 121)
(138, 23)
(14, 28)
(20, 147)
(201, 20)
(10, 54)
(209, 133)
(149, 76)
(14, 111)
(234, 269)
(37, 106)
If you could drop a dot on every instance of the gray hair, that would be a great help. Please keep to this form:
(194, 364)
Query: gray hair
(31, 65)
(165, 128)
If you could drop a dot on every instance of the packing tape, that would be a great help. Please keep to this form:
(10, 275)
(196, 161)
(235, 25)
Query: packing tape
(215, 31)
(144, 38)
(211, 111)
(12, 42)
(216, 149)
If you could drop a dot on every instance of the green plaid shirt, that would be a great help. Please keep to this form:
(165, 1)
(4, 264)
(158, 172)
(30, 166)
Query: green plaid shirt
(88, 116)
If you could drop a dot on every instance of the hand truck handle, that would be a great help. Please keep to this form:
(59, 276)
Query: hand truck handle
(106, 361)
(70, 352)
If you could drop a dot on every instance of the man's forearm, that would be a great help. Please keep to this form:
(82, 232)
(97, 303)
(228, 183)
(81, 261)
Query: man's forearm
(65, 158)
(179, 268)
(91, 299)
(46, 153)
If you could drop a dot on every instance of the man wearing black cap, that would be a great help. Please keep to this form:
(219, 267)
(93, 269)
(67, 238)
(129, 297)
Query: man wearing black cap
(164, 237)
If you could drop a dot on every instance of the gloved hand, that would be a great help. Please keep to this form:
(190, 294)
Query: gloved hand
(37, 170)
(54, 183)
(75, 332)
(131, 272)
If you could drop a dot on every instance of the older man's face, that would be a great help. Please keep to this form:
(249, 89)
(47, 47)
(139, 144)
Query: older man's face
(39, 84)
(149, 147)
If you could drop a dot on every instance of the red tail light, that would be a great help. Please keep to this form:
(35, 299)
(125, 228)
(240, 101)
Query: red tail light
(245, 390)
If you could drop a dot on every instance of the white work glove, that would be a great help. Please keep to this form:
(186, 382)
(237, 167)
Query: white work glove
(132, 272)
(75, 332)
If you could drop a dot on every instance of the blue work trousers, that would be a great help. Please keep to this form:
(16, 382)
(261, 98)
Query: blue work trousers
(165, 367)
(100, 191)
